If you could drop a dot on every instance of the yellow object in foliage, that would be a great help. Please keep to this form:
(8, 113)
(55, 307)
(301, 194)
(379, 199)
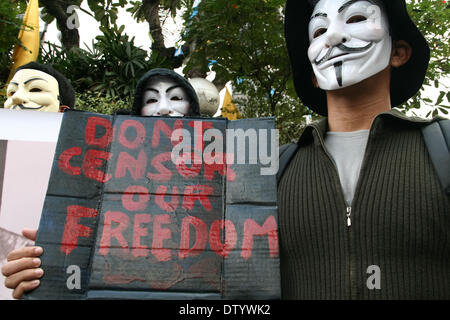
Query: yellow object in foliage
(229, 109)
(29, 38)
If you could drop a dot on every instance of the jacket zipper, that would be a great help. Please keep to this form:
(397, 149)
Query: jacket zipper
(349, 217)
(352, 256)
(349, 212)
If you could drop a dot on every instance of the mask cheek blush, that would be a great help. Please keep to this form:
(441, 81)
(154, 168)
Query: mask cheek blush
(147, 110)
(42, 98)
(181, 107)
(381, 55)
(372, 32)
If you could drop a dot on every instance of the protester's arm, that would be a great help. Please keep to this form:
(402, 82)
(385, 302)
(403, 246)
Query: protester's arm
(22, 269)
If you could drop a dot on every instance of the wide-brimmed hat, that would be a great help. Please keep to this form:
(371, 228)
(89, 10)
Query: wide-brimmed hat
(194, 109)
(406, 80)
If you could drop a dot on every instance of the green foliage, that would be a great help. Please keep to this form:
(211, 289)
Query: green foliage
(246, 39)
(106, 11)
(432, 18)
(94, 102)
(112, 68)
(290, 115)
(171, 6)
(2, 97)
(10, 25)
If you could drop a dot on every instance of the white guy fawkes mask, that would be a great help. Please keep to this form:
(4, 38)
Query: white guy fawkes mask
(163, 96)
(349, 42)
(31, 89)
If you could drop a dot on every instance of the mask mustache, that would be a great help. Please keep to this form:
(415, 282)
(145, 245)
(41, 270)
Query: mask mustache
(343, 48)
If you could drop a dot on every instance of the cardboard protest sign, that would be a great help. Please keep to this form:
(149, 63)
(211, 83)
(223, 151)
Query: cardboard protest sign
(161, 208)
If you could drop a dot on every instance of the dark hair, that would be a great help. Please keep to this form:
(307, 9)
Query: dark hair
(66, 91)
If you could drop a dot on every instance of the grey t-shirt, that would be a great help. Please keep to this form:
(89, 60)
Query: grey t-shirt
(347, 150)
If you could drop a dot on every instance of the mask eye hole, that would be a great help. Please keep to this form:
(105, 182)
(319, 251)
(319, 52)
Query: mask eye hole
(36, 90)
(11, 93)
(356, 19)
(176, 98)
(319, 32)
(151, 101)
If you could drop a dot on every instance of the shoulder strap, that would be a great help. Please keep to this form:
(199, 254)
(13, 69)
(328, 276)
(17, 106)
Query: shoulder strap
(286, 153)
(437, 139)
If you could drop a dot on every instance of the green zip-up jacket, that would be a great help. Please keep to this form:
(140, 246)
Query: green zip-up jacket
(394, 240)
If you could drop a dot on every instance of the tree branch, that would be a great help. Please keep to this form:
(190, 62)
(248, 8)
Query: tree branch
(150, 10)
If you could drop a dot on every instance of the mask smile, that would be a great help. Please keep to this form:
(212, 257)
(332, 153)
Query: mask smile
(22, 107)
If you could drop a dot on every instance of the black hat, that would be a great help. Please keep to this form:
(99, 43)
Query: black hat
(194, 109)
(405, 80)
(66, 91)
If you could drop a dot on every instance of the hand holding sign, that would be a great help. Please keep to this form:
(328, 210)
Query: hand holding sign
(21, 270)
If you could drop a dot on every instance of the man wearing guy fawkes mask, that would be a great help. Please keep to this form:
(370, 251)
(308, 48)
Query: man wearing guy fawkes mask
(38, 87)
(361, 211)
(163, 92)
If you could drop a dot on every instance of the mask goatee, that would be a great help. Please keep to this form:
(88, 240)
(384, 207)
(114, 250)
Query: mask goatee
(338, 70)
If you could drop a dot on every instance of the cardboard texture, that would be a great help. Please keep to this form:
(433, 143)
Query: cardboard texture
(121, 220)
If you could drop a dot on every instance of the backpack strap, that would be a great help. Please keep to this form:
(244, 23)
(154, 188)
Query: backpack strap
(287, 152)
(437, 140)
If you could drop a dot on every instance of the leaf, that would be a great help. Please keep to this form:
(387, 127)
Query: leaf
(440, 98)
(444, 111)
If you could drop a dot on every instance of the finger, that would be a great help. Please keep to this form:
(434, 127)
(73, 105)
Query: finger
(13, 281)
(24, 252)
(15, 266)
(29, 233)
(24, 287)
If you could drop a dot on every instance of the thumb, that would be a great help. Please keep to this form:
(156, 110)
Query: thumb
(30, 233)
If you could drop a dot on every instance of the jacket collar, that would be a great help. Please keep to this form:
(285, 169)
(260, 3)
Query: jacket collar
(381, 125)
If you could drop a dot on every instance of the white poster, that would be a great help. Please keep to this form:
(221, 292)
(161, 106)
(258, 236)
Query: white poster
(27, 146)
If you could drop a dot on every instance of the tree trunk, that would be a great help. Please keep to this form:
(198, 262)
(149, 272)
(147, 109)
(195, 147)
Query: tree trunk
(69, 37)
(150, 9)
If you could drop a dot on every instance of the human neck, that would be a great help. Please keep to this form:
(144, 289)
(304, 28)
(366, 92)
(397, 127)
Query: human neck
(354, 108)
